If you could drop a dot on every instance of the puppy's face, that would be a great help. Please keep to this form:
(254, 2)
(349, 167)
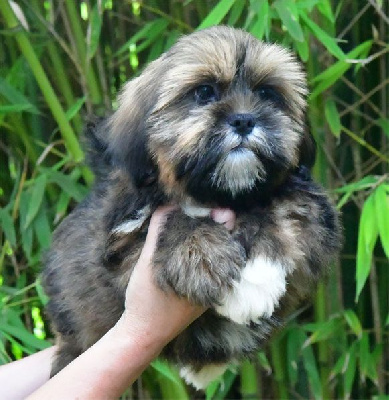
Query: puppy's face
(218, 117)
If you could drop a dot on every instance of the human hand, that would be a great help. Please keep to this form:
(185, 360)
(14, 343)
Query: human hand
(149, 311)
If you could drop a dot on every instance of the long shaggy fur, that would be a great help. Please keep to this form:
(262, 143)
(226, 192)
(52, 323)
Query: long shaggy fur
(217, 121)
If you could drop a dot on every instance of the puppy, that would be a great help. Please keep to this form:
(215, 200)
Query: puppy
(217, 121)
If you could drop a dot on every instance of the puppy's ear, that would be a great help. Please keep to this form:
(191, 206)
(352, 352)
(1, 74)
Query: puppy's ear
(307, 150)
(127, 133)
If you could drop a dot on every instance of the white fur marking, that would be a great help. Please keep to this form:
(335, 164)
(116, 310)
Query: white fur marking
(257, 294)
(133, 224)
(202, 378)
(238, 171)
(191, 209)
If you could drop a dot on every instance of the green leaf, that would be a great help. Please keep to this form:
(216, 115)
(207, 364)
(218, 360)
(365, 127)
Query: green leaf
(148, 33)
(164, 369)
(293, 352)
(262, 19)
(384, 124)
(264, 362)
(289, 15)
(324, 6)
(353, 322)
(15, 108)
(27, 338)
(94, 31)
(364, 183)
(236, 12)
(313, 376)
(41, 293)
(75, 108)
(367, 237)
(36, 198)
(303, 49)
(381, 202)
(217, 14)
(42, 229)
(321, 330)
(350, 369)
(77, 191)
(335, 71)
(332, 117)
(323, 37)
(13, 96)
(7, 225)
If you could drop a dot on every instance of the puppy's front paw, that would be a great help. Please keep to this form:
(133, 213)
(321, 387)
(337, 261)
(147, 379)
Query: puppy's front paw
(257, 294)
(201, 264)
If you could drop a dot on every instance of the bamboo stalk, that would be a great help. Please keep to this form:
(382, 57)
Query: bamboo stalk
(79, 36)
(27, 50)
(248, 380)
(279, 368)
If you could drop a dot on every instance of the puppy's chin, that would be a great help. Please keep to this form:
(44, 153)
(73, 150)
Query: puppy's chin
(238, 172)
(240, 180)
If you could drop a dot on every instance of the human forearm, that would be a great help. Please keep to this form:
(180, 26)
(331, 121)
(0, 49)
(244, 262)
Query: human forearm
(20, 378)
(105, 370)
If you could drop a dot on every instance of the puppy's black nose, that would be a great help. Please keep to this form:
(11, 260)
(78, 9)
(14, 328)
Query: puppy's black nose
(242, 123)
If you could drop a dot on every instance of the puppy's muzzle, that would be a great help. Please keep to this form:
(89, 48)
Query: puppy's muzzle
(243, 124)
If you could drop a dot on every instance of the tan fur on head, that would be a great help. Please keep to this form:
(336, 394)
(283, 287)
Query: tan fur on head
(157, 114)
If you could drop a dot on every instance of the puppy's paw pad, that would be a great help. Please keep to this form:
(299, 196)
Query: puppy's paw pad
(257, 294)
(203, 377)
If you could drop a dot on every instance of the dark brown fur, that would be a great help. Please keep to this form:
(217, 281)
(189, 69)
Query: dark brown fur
(160, 146)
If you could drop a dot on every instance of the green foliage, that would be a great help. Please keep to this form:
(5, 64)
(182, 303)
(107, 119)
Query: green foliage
(71, 62)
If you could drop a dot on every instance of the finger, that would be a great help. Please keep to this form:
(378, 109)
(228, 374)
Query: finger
(157, 221)
(224, 216)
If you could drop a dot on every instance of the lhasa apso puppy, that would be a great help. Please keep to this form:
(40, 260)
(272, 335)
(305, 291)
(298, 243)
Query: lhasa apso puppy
(217, 121)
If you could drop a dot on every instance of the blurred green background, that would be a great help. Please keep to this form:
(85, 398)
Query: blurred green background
(62, 61)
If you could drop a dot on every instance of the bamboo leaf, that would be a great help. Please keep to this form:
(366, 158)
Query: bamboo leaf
(289, 15)
(24, 336)
(42, 229)
(381, 202)
(350, 370)
(94, 31)
(384, 124)
(15, 97)
(364, 183)
(7, 225)
(313, 375)
(77, 191)
(156, 27)
(332, 117)
(15, 108)
(303, 49)
(321, 330)
(328, 41)
(236, 12)
(164, 369)
(367, 237)
(36, 198)
(262, 18)
(75, 108)
(353, 322)
(337, 70)
(324, 6)
(217, 14)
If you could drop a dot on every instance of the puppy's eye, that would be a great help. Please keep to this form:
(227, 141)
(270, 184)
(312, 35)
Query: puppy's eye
(205, 94)
(269, 93)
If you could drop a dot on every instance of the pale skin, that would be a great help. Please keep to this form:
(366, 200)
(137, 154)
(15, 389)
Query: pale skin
(151, 319)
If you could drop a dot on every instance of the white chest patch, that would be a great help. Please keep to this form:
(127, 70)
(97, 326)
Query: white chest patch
(133, 224)
(257, 294)
(202, 378)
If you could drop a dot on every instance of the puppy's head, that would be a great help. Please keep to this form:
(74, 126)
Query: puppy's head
(219, 117)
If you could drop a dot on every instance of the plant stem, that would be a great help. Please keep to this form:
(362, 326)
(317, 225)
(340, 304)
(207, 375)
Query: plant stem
(27, 50)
